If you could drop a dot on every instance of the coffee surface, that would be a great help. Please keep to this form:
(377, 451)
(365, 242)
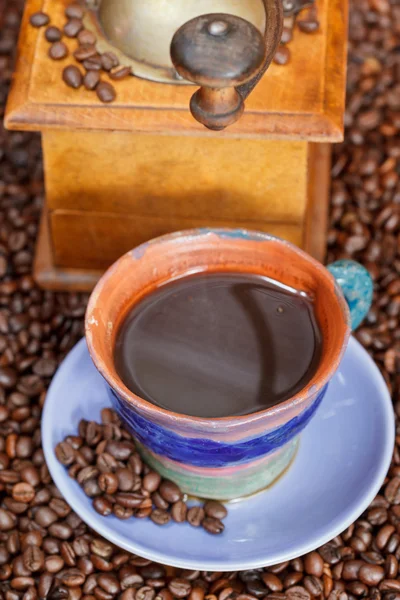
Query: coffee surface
(217, 345)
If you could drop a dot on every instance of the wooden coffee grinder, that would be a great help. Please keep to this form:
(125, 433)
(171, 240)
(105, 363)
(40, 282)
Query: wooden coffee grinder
(246, 147)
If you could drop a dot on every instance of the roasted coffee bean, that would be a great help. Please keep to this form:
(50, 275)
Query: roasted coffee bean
(272, 582)
(73, 578)
(351, 569)
(45, 367)
(195, 516)
(214, 526)
(91, 79)
(287, 35)
(314, 564)
(391, 566)
(383, 536)
(256, 588)
(45, 516)
(65, 453)
(22, 583)
(330, 553)
(109, 583)
(298, 593)
(129, 577)
(84, 52)
(282, 55)
(53, 34)
(45, 584)
(129, 499)
(170, 491)
(118, 73)
(157, 499)
(179, 588)
(371, 574)
(23, 492)
(145, 593)
(33, 558)
(122, 513)
(392, 491)
(108, 61)
(105, 92)
(86, 37)
(390, 585)
(160, 517)
(54, 564)
(93, 63)
(127, 481)
(74, 11)
(60, 531)
(24, 446)
(32, 538)
(102, 506)
(73, 27)
(313, 585)
(165, 594)
(86, 474)
(7, 520)
(179, 511)
(377, 516)
(151, 483)
(308, 25)
(215, 509)
(39, 19)
(292, 579)
(108, 483)
(106, 463)
(8, 377)
(72, 77)
(129, 594)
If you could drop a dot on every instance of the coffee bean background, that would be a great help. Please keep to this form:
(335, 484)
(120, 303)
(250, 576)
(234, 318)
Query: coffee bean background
(102, 457)
(45, 549)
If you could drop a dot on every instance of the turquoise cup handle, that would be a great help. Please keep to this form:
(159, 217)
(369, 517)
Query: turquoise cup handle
(357, 287)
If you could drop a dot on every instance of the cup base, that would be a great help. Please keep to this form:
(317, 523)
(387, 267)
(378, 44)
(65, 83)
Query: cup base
(226, 484)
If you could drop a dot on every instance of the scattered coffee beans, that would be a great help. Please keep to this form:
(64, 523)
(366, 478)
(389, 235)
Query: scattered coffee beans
(119, 483)
(300, 14)
(86, 53)
(364, 224)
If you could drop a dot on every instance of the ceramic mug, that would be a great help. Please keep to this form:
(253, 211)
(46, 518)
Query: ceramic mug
(227, 457)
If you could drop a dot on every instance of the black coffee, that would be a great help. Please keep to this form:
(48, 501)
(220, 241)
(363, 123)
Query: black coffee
(219, 345)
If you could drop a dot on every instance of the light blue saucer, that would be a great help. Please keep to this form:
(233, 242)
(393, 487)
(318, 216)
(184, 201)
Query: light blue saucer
(343, 458)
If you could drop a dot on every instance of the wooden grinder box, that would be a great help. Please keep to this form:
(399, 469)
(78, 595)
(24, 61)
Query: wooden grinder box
(119, 174)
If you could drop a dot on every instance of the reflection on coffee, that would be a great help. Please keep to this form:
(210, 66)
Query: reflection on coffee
(219, 344)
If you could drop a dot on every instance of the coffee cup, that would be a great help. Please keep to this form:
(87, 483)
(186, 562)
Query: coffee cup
(235, 456)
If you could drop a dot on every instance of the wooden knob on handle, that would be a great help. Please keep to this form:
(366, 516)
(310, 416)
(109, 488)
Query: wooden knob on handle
(218, 52)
